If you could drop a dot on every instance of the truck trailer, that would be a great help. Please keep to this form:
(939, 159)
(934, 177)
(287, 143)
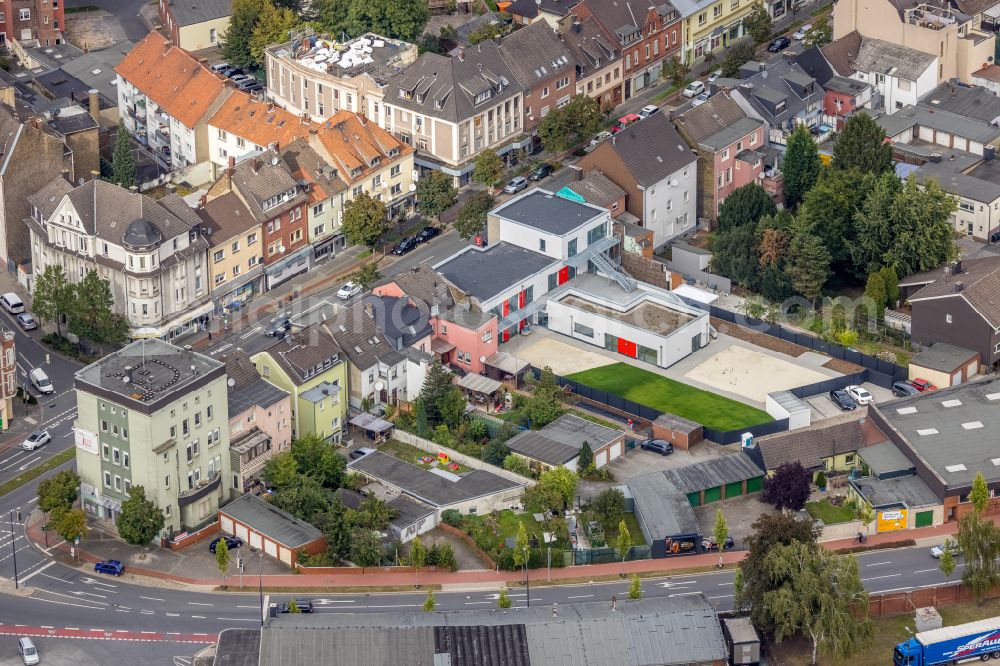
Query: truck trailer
(973, 641)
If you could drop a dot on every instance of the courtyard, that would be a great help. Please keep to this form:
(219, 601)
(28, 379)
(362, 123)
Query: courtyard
(752, 374)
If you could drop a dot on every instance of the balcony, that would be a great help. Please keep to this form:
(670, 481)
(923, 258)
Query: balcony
(203, 489)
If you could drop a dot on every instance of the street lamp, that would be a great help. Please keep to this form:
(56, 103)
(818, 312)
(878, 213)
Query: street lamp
(527, 578)
(13, 546)
(260, 583)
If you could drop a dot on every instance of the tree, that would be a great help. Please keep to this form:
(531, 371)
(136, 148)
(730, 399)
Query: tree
(979, 543)
(586, 458)
(521, 546)
(609, 505)
(818, 593)
(375, 513)
(821, 33)
(734, 255)
(947, 560)
(281, 471)
(453, 408)
(399, 19)
(222, 556)
(562, 481)
(979, 495)
(139, 520)
(293, 608)
(564, 127)
(503, 600)
(242, 22)
(808, 265)
(635, 588)
(92, 314)
(58, 491)
(540, 499)
(738, 583)
(53, 295)
(624, 543)
(472, 218)
(800, 168)
(745, 206)
(366, 547)
(367, 275)
(874, 234)
(758, 24)
(891, 281)
(487, 168)
(331, 15)
(676, 71)
(435, 194)
(69, 523)
(545, 404)
(518, 465)
(720, 532)
(274, 26)
(875, 293)
(122, 162)
(736, 57)
(773, 244)
(304, 499)
(828, 211)
(365, 221)
(437, 384)
(316, 457)
(429, 603)
(861, 145)
(787, 488)
(418, 556)
(866, 514)
(923, 233)
(334, 525)
(495, 452)
(769, 531)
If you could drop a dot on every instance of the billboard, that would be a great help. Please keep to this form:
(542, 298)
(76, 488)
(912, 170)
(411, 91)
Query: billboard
(891, 520)
(86, 441)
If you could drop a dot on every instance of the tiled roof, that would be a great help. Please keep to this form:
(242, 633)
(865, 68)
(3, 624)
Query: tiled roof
(172, 78)
(715, 123)
(226, 217)
(651, 149)
(298, 354)
(973, 7)
(842, 53)
(362, 341)
(257, 179)
(625, 16)
(808, 446)
(590, 46)
(990, 73)
(306, 164)
(260, 123)
(350, 144)
(47, 199)
(248, 388)
(981, 280)
(107, 211)
(534, 53)
(598, 189)
(422, 283)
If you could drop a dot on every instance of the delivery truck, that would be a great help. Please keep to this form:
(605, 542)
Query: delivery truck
(973, 641)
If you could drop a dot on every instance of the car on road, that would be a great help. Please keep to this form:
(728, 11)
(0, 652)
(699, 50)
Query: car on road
(701, 99)
(694, 89)
(648, 110)
(36, 440)
(426, 234)
(904, 389)
(710, 545)
(800, 34)
(113, 567)
(779, 44)
(232, 542)
(28, 651)
(361, 453)
(404, 246)
(515, 185)
(543, 170)
(601, 136)
(661, 446)
(349, 290)
(842, 400)
(304, 606)
(922, 385)
(714, 76)
(859, 395)
(938, 550)
(279, 328)
(27, 321)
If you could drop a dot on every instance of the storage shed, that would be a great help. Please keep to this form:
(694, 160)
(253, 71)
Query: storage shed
(944, 365)
(266, 527)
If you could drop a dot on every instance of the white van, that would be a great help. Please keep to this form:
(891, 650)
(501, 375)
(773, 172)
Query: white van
(12, 303)
(41, 381)
(27, 650)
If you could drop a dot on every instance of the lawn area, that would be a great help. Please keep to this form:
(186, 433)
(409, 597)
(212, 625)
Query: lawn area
(829, 513)
(509, 522)
(411, 454)
(634, 531)
(667, 395)
(35, 472)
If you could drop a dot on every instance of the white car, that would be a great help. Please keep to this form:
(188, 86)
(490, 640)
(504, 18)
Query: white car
(938, 550)
(693, 89)
(36, 439)
(599, 138)
(714, 75)
(860, 395)
(349, 290)
(701, 99)
(648, 111)
(800, 34)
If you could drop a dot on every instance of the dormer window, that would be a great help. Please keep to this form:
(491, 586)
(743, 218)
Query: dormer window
(356, 172)
(405, 94)
(420, 98)
(393, 152)
(438, 104)
(375, 161)
(482, 97)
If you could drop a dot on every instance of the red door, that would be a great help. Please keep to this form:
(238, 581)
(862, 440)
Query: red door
(506, 308)
(505, 334)
(563, 274)
(627, 348)
(521, 298)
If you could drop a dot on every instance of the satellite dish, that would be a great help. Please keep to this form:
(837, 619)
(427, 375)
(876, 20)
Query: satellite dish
(274, 161)
(379, 386)
(231, 382)
(281, 248)
(673, 182)
(413, 187)
(482, 359)
(125, 379)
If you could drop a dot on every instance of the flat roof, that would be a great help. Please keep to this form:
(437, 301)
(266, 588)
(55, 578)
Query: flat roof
(647, 314)
(943, 357)
(885, 458)
(908, 491)
(541, 209)
(662, 511)
(372, 54)
(486, 272)
(277, 525)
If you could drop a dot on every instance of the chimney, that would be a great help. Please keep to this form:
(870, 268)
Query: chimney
(273, 146)
(170, 188)
(229, 171)
(576, 27)
(461, 54)
(255, 165)
(959, 286)
(94, 104)
(134, 189)
(65, 174)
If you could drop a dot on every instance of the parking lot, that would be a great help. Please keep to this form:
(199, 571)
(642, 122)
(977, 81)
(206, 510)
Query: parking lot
(823, 407)
(740, 513)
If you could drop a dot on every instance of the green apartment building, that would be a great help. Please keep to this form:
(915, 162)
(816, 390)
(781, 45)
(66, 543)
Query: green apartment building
(154, 415)
(309, 364)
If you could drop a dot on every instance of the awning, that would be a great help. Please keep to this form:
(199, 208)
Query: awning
(993, 12)
(371, 422)
(479, 384)
(504, 362)
(161, 331)
(111, 503)
(441, 346)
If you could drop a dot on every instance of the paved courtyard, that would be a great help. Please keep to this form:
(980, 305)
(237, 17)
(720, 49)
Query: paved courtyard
(564, 355)
(740, 513)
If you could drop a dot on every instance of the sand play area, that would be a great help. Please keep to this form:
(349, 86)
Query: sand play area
(751, 374)
(562, 357)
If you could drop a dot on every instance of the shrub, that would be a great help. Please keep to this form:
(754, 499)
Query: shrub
(477, 431)
(516, 464)
(446, 557)
(821, 480)
(451, 517)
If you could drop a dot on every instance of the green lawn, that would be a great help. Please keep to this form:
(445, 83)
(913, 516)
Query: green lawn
(634, 531)
(410, 454)
(829, 513)
(665, 394)
(509, 521)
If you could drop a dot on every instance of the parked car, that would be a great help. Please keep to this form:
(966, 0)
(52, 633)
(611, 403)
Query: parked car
(279, 328)
(714, 76)
(516, 185)
(800, 34)
(904, 389)
(543, 170)
(29, 653)
(601, 136)
(938, 551)
(661, 446)
(404, 246)
(304, 606)
(220, 67)
(247, 83)
(27, 321)
(349, 290)
(701, 99)
(842, 400)
(232, 543)
(236, 78)
(360, 453)
(859, 395)
(256, 86)
(427, 233)
(779, 44)
(694, 89)
(709, 544)
(625, 121)
(113, 567)
(36, 439)
(922, 385)
(232, 71)
(648, 110)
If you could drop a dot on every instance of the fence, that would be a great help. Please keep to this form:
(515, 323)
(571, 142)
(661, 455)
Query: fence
(903, 603)
(580, 556)
(734, 436)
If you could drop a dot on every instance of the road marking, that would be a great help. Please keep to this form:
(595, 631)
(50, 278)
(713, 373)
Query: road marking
(401, 605)
(97, 582)
(173, 614)
(725, 584)
(73, 628)
(48, 551)
(45, 626)
(145, 632)
(36, 572)
(581, 596)
(195, 603)
(723, 596)
(62, 580)
(90, 594)
(467, 603)
(122, 610)
(682, 594)
(148, 612)
(155, 599)
(202, 617)
(238, 619)
(33, 499)
(877, 564)
(249, 333)
(926, 570)
(253, 607)
(881, 577)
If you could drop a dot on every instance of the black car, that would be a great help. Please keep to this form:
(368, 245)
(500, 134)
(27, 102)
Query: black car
(995, 236)
(232, 543)
(709, 544)
(304, 606)
(541, 171)
(426, 234)
(404, 246)
(843, 400)
(661, 446)
(904, 389)
(278, 328)
(231, 72)
(779, 44)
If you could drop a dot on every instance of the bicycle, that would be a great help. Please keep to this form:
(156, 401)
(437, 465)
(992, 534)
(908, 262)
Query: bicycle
(860, 538)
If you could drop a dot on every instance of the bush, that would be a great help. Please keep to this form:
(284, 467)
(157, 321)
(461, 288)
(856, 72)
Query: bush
(446, 557)
(451, 517)
(821, 480)
(609, 505)
(516, 464)
(477, 431)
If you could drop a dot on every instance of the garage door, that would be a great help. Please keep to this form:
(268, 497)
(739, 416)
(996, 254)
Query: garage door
(713, 494)
(755, 485)
(241, 531)
(254, 540)
(601, 459)
(924, 519)
(226, 524)
(616, 450)
(734, 489)
(285, 555)
(271, 548)
(695, 499)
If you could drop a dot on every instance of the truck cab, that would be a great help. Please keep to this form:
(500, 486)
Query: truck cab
(908, 654)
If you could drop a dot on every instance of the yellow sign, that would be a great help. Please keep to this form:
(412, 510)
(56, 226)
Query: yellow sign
(890, 521)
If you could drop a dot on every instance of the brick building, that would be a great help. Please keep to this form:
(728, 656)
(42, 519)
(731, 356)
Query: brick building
(32, 22)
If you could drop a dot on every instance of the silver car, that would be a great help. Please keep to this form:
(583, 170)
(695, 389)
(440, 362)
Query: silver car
(516, 185)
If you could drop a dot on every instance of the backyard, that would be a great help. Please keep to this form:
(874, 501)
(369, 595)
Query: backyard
(829, 513)
(415, 456)
(667, 395)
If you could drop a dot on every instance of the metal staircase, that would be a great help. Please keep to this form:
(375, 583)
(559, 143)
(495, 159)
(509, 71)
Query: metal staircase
(621, 278)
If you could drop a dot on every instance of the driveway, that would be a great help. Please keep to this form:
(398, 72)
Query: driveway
(740, 513)
(638, 462)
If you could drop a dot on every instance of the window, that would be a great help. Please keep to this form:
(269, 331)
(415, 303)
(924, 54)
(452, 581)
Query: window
(252, 261)
(236, 270)
(251, 239)
(166, 481)
(318, 209)
(125, 459)
(128, 486)
(209, 413)
(220, 278)
(717, 11)
(725, 154)
(219, 255)
(167, 510)
(116, 456)
(104, 426)
(583, 330)
(241, 142)
(107, 479)
(118, 482)
(296, 214)
(702, 18)
(541, 245)
(947, 318)
(563, 82)
(571, 248)
(222, 134)
(394, 171)
(545, 92)
(104, 451)
(185, 428)
(296, 235)
(236, 247)
(487, 336)
(967, 207)
(25, 15)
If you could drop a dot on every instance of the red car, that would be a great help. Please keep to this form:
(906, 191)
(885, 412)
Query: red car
(922, 385)
(624, 122)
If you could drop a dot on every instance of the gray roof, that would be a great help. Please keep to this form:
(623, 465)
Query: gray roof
(662, 511)
(142, 234)
(950, 428)
(590, 47)
(535, 54)
(47, 199)
(189, 12)
(647, 632)
(298, 354)
(427, 486)
(943, 357)
(277, 525)
(423, 284)
(560, 441)
(885, 458)
(597, 189)
(908, 491)
(248, 389)
(981, 280)
(319, 392)
(676, 423)
(401, 322)
(541, 209)
(964, 100)
(263, 176)
(361, 339)
(651, 150)
(876, 55)
(241, 647)
(712, 473)
(947, 121)
(97, 68)
(717, 123)
(408, 511)
(895, 124)
(808, 446)
(773, 85)
(484, 273)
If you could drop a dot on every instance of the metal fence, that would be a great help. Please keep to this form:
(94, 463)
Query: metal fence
(832, 384)
(733, 436)
(605, 555)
